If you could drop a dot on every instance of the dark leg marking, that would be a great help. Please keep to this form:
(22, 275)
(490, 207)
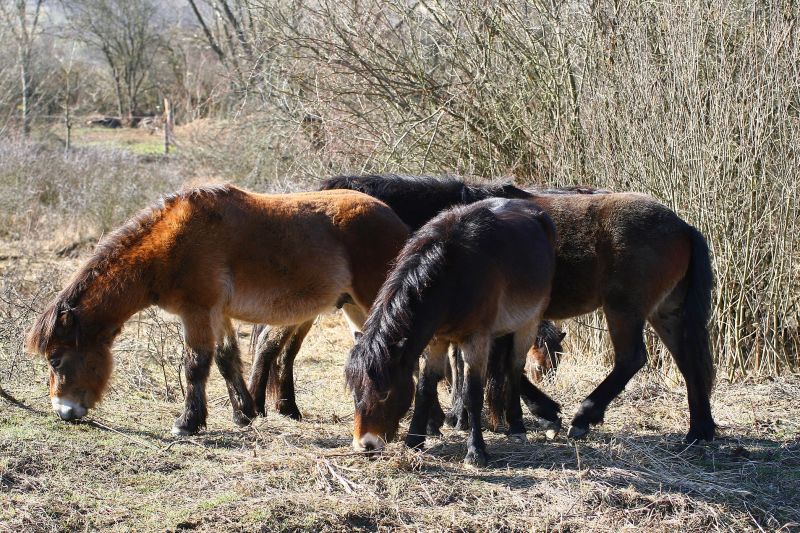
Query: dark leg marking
(197, 366)
(473, 398)
(270, 343)
(280, 383)
(229, 362)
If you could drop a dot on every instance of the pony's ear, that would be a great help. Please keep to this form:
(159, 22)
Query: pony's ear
(562, 335)
(65, 323)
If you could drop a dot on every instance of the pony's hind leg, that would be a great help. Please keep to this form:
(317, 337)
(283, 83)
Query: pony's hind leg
(200, 342)
(426, 394)
(457, 416)
(229, 363)
(270, 343)
(476, 354)
(521, 343)
(695, 364)
(280, 383)
(630, 355)
(497, 380)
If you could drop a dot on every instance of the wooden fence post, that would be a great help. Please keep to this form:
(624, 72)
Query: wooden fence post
(169, 125)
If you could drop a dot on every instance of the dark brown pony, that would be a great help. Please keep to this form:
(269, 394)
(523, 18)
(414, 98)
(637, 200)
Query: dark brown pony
(469, 275)
(622, 252)
(211, 255)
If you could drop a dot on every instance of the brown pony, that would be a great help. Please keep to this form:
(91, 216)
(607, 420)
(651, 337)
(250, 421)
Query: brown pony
(469, 275)
(211, 255)
(622, 252)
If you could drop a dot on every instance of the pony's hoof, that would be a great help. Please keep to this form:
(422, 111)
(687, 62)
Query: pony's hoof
(289, 410)
(433, 431)
(242, 420)
(577, 432)
(518, 438)
(415, 442)
(185, 426)
(551, 428)
(700, 432)
(179, 431)
(476, 458)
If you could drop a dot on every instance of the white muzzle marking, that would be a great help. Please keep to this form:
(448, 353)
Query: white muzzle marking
(368, 443)
(67, 409)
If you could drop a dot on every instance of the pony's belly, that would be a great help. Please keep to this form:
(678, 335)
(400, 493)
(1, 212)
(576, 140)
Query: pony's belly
(279, 309)
(512, 317)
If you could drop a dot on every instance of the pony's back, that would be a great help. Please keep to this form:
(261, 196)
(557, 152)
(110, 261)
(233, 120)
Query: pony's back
(417, 199)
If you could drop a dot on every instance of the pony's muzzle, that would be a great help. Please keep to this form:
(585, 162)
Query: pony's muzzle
(369, 444)
(67, 409)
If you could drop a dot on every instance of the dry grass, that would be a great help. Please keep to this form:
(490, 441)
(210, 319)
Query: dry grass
(120, 470)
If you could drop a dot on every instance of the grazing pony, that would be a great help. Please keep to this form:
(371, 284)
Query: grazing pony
(622, 252)
(210, 255)
(471, 274)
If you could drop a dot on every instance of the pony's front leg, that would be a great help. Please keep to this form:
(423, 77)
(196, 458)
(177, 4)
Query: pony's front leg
(197, 365)
(475, 362)
(229, 362)
(426, 394)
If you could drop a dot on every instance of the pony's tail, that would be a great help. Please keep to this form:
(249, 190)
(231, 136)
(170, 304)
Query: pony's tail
(273, 394)
(697, 310)
(496, 380)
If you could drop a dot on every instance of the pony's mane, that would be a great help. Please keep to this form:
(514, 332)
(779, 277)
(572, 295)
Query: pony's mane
(418, 266)
(106, 252)
(549, 336)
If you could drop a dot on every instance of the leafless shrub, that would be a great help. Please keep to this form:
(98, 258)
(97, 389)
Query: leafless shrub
(45, 192)
(694, 103)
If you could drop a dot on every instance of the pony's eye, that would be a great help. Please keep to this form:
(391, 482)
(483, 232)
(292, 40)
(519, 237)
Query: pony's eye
(55, 362)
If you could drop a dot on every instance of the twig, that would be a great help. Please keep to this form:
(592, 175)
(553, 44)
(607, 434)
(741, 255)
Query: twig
(100, 425)
(344, 482)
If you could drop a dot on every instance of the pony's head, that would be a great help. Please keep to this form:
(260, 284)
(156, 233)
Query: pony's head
(544, 355)
(381, 379)
(79, 358)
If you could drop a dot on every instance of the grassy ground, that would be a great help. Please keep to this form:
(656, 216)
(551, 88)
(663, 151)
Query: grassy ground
(121, 470)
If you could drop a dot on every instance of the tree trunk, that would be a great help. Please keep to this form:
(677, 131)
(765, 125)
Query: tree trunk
(25, 79)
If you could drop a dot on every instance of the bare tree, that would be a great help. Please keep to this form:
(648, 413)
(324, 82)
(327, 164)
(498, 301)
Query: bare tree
(23, 19)
(127, 34)
(231, 28)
